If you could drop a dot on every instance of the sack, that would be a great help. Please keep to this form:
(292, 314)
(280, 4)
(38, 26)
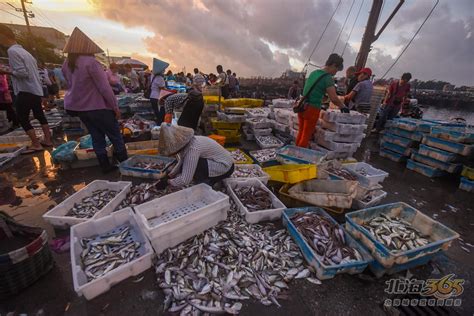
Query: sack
(64, 152)
(300, 104)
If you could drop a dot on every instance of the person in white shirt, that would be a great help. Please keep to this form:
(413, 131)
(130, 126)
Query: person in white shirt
(133, 76)
(223, 82)
(27, 88)
(157, 83)
(198, 79)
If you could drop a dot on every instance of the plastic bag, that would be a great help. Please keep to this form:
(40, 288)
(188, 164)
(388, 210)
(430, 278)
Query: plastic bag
(64, 152)
(85, 142)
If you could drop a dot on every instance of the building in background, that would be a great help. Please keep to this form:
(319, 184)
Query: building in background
(51, 35)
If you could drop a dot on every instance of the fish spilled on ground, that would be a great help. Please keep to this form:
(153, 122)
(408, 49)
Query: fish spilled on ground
(246, 172)
(102, 254)
(159, 165)
(254, 198)
(264, 155)
(231, 262)
(92, 204)
(326, 238)
(396, 233)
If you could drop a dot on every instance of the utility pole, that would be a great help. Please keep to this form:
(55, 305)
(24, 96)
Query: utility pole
(26, 15)
(370, 36)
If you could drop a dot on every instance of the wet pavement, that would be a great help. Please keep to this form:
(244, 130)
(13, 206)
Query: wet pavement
(31, 185)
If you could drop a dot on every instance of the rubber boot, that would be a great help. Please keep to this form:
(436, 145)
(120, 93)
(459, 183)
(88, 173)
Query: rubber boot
(121, 156)
(105, 164)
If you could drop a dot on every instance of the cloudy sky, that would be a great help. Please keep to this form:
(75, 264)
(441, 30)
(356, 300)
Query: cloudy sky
(265, 37)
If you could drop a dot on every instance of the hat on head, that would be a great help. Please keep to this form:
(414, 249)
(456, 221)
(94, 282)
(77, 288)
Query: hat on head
(173, 138)
(80, 43)
(159, 66)
(366, 71)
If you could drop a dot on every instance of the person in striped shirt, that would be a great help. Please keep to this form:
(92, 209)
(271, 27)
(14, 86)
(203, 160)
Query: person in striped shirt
(199, 158)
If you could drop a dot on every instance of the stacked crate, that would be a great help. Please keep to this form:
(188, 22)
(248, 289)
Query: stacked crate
(231, 131)
(283, 125)
(257, 126)
(467, 179)
(339, 134)
(443, 151)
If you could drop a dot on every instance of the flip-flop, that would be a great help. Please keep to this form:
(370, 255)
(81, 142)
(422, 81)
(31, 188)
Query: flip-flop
(31, 151)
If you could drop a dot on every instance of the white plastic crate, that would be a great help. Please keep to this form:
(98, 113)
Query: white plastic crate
(283, 103)
(101, 226)
(353, 117)
(257, 112)
(231, 118)
(338, 147)
(257, 216)
(264, 177)
(255, 123)
(343, 128)
(283, 116)
(261, 131)
(330, 136)
(162, 216)
(283, 128)
(378, 196)
(331, 154)
(278, 143)
(57, 215)
(374, 176)
(89, 153)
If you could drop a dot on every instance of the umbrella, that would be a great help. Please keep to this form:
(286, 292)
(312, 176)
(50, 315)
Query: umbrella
(132, 62)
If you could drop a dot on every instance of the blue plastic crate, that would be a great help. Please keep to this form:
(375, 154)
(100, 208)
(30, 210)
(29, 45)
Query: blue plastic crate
(438, 154)
(323, 271)
(425, 126)
(447, 145)
(127, 168)
(445, 166)
(405, 151)
(407, 124)
(379, 270)
(425, 170)
(392, 155)
(413, 135)
(440, 235)
(466, 184)
(463, 134)
(398, 140)
(300, 155)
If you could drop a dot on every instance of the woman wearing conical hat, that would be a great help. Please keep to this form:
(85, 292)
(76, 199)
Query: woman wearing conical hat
(90, 97)
(200, 158)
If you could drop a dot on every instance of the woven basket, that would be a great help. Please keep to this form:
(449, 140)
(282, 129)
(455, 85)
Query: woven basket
(22, 267)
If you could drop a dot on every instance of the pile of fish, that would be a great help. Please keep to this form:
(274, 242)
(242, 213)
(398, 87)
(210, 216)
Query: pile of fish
(254, 198)
(145, 192)
(326, 238)
(264, 155)
(246, 172)
(343, 173)
(256, 120)
(157, 165)
(231, 262)
(258, 112)
(105, 253)
(238, 156)
(396, 233)
(268, 140)
(362, 171)
(92, 204)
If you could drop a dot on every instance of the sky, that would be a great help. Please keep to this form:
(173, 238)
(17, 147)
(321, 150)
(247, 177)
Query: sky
(266, 37)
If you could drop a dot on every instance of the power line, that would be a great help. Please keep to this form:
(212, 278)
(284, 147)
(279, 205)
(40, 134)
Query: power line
(17, 16)
(322, 34)
(51, 22)
(352, 28)
(411, 40)
(343, 26)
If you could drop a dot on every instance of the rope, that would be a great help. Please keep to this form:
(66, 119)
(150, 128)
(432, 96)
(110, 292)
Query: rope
(343, 26)
(411, 40)
(352, 29)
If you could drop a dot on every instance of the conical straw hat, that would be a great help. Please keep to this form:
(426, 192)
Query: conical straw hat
(159, 66)
(80, 43)
(173, 138)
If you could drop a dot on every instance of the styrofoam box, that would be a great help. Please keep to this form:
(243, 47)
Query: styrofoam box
(161, 216)
(89, 153)
(373, 177)
(257, 216)
(101, 226)
(261, 131)
(264, 176)
(343, 128)
(283, 103)
(353, 117)
(338, 147)
(330, 136)
(57, 215)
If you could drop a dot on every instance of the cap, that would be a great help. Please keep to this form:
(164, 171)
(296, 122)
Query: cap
(366, 71)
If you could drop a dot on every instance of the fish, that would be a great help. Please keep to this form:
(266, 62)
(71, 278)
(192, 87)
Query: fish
(268, 140)
(254, 198)
(156, 165)
(238, 156)
(91, 204)
(264, 155)
(243, 171)
(144, 192)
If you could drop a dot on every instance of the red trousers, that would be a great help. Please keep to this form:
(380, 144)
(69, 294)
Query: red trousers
(307, 121)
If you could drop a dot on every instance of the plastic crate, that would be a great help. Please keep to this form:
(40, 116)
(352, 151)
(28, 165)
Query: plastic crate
(247, 160)
(406, 124)
(257, 216)
(233, 139)
(258, 112)
(416, 136)
(283, 103)
(468, 172)
(398, 140)
(331, 154)
(58, 217)
(329, 136)
(263, 176)
(256, 154)
(127, 167)
(466, 184)
(218, 138)
(301, 155)
(374, 176)
(228, 133)
(260, 141)
(438, 154)
(343, 128)
(11, 150)
(447, 145)
(291, 173)
(463, 134)
(377, 197)
(324, 272)
(231, 118)
(248, 135)
(224, 125)
(338, 147)
(392, 155)
(147, 147)
(425, 170)
(261, 131)
(89, 153)
(405, 151)
(255, 123)
(353, 117)
(445, 166)
(194, 208)
(441, 236)
(281, 127)
(102, 226)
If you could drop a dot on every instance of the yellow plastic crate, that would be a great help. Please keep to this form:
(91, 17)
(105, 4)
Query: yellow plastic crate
(224, 125)
(211, 99)
(242, 103)
(247, 161)
(468, 172)
(233, 139)
(228, 132)
(148, 147)
(292, 173)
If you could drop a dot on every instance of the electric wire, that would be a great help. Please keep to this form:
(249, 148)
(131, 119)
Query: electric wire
(343, 26)
(352, 28)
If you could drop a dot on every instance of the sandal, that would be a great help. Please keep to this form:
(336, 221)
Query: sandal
(29, 150)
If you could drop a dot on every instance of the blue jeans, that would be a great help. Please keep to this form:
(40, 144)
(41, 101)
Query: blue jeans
(101, 123)
(388, 113)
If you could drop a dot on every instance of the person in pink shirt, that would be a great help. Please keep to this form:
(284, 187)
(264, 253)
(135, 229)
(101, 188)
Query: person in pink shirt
(114, 79)
(90, 97)
(6, 102)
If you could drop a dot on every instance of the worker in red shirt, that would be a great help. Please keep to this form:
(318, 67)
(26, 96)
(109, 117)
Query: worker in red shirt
(397, 93)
